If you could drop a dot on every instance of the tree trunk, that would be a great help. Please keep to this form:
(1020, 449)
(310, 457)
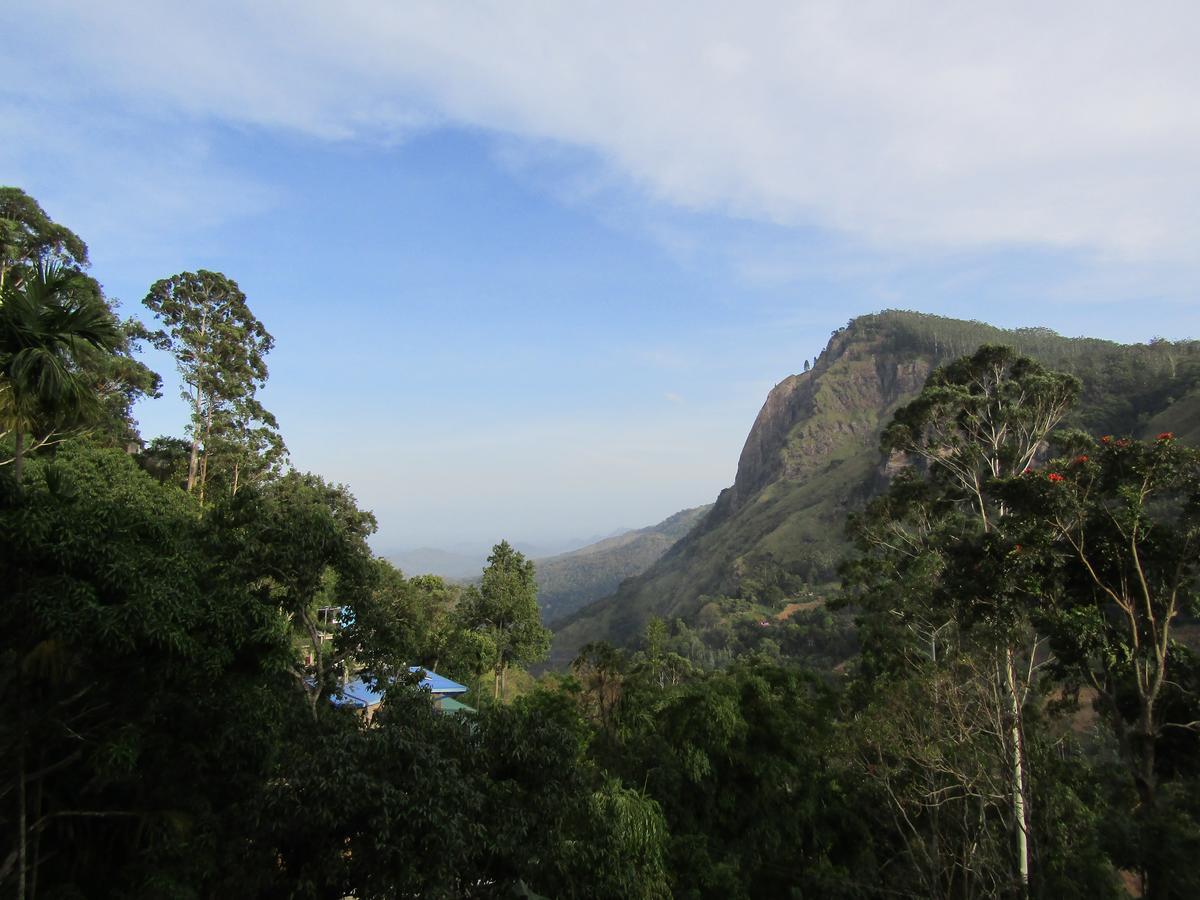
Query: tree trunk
(194, 459)
(208, 414)
(1146, 782)
(1017, 763)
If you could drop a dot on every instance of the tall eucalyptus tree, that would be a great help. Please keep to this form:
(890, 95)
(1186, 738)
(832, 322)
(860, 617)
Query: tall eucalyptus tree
(979, 421)
(220, 349)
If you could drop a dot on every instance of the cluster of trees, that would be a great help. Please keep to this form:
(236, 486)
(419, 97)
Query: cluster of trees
(994, 587)
(1020, 719)
(164, 673)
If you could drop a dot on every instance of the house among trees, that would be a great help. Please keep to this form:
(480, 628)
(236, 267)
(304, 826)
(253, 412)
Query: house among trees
(365, 694)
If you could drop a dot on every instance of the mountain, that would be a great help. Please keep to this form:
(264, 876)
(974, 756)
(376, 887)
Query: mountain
(570, 581)
(812, 457)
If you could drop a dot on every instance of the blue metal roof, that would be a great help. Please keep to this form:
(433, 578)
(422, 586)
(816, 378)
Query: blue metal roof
(363, 692)
(438, 684)
(358, 693)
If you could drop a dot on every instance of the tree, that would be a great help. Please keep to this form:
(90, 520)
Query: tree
(140, 676)
(220, 349)
(29, 238)
(742, 762)
(307, 541)
(45, 324)
(504, 607)
(1109, 549)
(166, 459)
(600, 668)
(245, 438)
(57, 313)
(978, 420)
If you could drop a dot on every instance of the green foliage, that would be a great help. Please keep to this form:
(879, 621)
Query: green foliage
(742, 763)
(29, 238)
(57, 337)
(298, 531)
(65, 358)
(220, 349)
(1107, 553)
(504, 609)
(429, 805)
(139, 680)
(982, 416)
(166, 460)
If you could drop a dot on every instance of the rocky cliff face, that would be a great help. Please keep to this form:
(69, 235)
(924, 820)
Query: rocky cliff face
(809, 418)
(812, 456)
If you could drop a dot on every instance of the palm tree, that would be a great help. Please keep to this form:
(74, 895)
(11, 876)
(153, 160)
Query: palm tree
(45, 327)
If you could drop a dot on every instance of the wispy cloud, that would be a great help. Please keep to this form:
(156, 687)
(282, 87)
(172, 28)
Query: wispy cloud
(1069, 126)
(130, 181)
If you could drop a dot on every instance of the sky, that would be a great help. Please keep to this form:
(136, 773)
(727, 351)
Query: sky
(532, 267)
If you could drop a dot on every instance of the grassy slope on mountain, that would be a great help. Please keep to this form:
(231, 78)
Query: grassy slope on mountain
(812, 457)
(572, 580)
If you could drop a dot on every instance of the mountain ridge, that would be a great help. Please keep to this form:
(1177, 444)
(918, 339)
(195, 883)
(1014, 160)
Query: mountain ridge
(812, 456)
(571, 580)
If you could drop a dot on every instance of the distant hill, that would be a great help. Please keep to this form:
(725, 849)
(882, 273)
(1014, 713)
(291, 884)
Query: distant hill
(436, 561)
(572, 580)
(465, 561)
(812, 456)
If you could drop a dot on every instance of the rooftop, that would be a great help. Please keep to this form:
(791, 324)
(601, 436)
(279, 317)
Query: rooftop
(364, 691)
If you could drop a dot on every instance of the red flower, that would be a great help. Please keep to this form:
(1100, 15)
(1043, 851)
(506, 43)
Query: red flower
(1080, 459)
(1054, 476)
(1107, 439)
(1123, 442)
(1166, 436)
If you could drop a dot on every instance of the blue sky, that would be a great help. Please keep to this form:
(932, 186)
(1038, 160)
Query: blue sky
(532, 269)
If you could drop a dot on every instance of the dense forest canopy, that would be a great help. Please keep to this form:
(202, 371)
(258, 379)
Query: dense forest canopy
(996, 697)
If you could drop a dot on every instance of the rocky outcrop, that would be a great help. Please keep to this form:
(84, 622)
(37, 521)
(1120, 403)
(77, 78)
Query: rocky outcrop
(810, 416)
(813, 455)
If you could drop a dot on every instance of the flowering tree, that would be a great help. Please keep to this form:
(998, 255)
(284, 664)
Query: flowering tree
(1110, 548)
(1121, 522)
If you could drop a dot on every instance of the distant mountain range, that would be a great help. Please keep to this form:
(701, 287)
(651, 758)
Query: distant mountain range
(566, 580)
(451, 564)
(464, 561)
(812, 457)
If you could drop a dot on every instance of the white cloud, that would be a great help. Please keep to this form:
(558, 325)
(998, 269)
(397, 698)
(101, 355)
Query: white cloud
(1068, 125)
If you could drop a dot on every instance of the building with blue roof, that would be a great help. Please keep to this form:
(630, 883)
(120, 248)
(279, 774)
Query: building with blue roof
(365, 693)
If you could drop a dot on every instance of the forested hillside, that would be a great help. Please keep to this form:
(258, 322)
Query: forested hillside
(812, 457)
(572, 580)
